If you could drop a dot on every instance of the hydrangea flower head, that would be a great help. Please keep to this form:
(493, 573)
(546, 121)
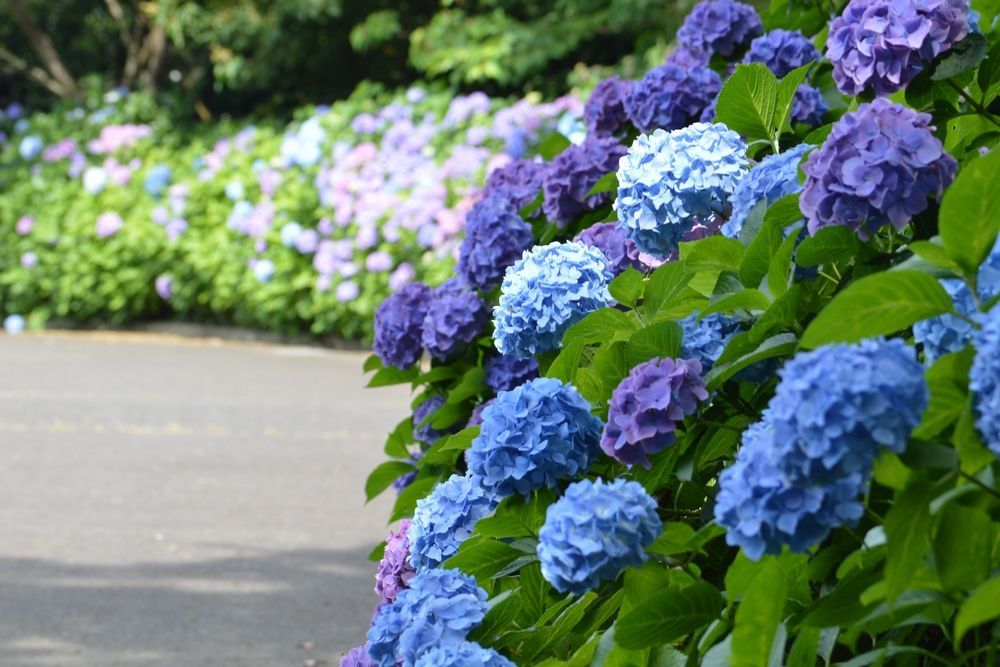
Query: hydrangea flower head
(455, 317)
(394, 570)
(646, 406)
(357, 657)
(504, 373)
(596, 530)
(878, 166)
(544, 293)
(399, 324)
(445, 519)
(466, 654)
(782, 51)
(667, 179)
(773, 178)
(705, 339)
(883, 44)
(533, 436)
(610, 238)
(808, 106)
(518, 182)
(495, 236)
(984, 380)
(108, 224)
(671, 97)
(604, 112)
(572, 174)
(720, 26)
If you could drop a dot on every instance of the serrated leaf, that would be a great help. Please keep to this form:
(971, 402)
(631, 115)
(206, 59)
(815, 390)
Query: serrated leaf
(907, 529)
(472, 384)
(390, 375)
(566, 363)
(714, 252)
(780, 345)
(967, 221)
(665, 283)
(785, 95)
(961, 57)
(779, 274)
(668, 615)
(606, 183)
(830, 244)
(383, 476)
(599, 326)
(935, 254)
(662, 339)
(757, 258)
(747, 101)
(751, 300)
(627, 286)
(482, 557)
(980, 607)
(947, 380)
(758, 616)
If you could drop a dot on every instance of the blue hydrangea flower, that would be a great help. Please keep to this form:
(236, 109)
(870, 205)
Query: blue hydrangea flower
(719, 26)
(465, 654)
(518, 182)
(878, 166)
(505, 373)
(706, 339)
(157, 180)
(455, 317)
(495, 236)
(773, 178)
(781, 51)
(604, 112)
(669, 178)
(544, 293)
(445, 519)
(883, 44)
(646, 407)
(399, 324)
(533, 436)
(439, 608)
(808, 106)
(573, 173)
(983, 381)
(30, 147)
(596, 530)
(425, 433)
(670, 97)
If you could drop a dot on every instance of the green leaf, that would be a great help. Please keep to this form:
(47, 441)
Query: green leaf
(749, 299)
(877, 305)
(503, 609)
(391, 375)
(714, 252)
(757, 259)
(779, 275)
(782, 314)
(979, 608)
(804, 648)
(907, 530)
(775, 346)
(375, 555)
(383, 476)
(565, 365)
(372, 363)
(461, 440)
(627, 286)
(758, 616)
(675, 539)
(662, 339)
(831, 244)
(553, 145)
(482, 557)
(473, 383)
(962, 547)
(606, 183)
(989, 70)
(961, 57)
(665, 283)
(819, 135)
(395, 444)
(407, 499)
(599, 326)
(968, 219)
(668, 615)
(947, 380)
(785, 95)
(971, 452)
(747, 102)
(934, 254)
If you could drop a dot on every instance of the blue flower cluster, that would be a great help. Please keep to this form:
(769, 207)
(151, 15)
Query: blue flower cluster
(669, 178)
(596, 530)
(505, 373)
(455, 317)
(425, 433)
(671, 97)
(808, 106)
(719, 26)
(464, 654)
(533, 436)
(495, 236)
(782, 51)
(646, 407)
(399, 323)
(439, 608)
(445, 519)
(878, 166)
(705, 339)
(573, 173)
(773, 178)
(545, 292)
(604, 112)
(883, 44)
(801, 469)
(984, 380)
(518, 182)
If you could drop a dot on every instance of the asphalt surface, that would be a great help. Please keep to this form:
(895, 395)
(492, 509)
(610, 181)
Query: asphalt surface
(173, 502)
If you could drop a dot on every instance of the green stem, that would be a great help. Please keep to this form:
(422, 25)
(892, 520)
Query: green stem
(980, 109)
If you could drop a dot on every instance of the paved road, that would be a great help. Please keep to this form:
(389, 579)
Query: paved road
(168, 502)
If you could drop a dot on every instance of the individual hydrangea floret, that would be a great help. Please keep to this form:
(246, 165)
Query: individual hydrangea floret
(604, 112)
(495, 237)
(782, 51)
(518, 182)
(445, 519)
(544, 293)
(706, 338)
(573, 173)
(668, 179)
(424, 432)
(455, 317)
(505, 373)
(394, 569)
(596, 530)
(533, 436)
(646, 407)
(465, 654)
(808, 106)
(984, 380)
(720, 26)
(883, 44)
(357, 657)
(773, 178)
(399, 323)
(407, 478)
(440, 607)
(671, 97)
(878, 166)
(620, 251)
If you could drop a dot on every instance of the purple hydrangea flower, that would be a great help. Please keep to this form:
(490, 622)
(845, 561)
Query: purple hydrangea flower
(25, 224)
(573, 173)
(394, 570)
(347, 291)
(407, 478)
(476, 419)
(403, 275)
(399, 323)
(518, 182)
(670, 97)
(495, 237)
(808, 106)
(504, 373)
(455, 317)
(604, 112)
(684, 56)
(878, 166)
(445, 519)
(29, 259)
(108, 224)
(782, 51)
(164, 287)
(719, 26)
(426, 433)
(620, 251)
(357, 657)
(883, 44)
(646, 407)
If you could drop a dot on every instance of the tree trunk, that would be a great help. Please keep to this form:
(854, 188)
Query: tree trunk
(42, 44)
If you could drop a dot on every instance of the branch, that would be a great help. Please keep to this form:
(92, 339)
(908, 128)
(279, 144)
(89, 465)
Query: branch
(37, 74)
(42, 45)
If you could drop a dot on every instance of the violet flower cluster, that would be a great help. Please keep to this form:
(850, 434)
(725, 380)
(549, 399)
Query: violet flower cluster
(394, 569)
(399, 323)
(495, 237)
(571, 175)
(724, 27)
(455, 317)
(604, 112)
(671, 97)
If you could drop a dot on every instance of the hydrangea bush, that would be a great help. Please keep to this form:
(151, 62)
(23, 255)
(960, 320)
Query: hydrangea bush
(764, 425)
